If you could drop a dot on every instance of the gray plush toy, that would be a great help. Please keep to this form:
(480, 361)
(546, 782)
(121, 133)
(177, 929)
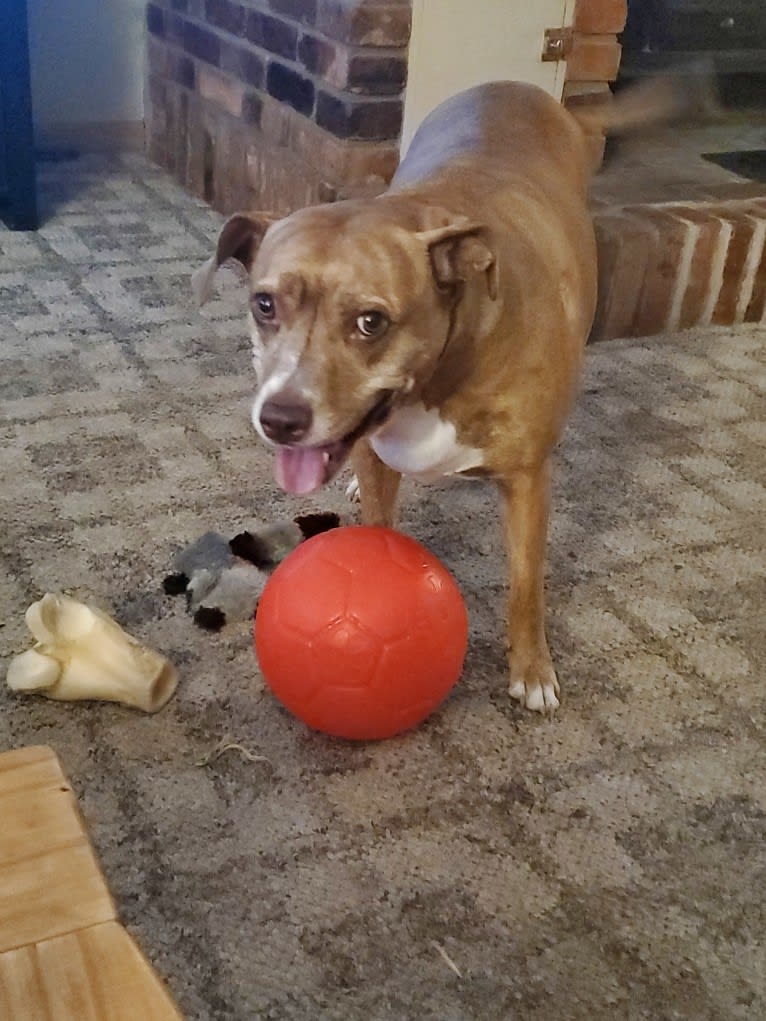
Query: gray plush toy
(223, 579)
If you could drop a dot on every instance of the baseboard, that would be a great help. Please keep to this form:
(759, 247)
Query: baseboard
(91, 136)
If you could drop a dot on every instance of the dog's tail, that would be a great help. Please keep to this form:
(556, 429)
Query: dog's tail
(686, 94)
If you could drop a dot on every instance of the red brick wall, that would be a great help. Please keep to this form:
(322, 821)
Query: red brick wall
(276, 103)
(594, 57)
(673, 265)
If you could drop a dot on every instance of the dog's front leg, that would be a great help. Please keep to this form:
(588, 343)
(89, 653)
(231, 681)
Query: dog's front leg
(527, 502)
(378, 486)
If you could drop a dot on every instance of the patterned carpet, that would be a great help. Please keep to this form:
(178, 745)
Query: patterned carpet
(610, 863)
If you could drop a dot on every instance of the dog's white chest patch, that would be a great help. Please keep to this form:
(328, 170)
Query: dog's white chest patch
(419, 442)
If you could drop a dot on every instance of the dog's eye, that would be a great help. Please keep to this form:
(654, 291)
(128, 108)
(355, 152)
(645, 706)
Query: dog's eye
(373, 323)
(264, 307)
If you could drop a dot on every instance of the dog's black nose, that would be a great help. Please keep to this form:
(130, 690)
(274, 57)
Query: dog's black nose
(286, 419)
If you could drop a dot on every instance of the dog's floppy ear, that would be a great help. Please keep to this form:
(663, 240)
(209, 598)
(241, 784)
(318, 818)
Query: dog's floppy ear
(458, 250)
(239, 239)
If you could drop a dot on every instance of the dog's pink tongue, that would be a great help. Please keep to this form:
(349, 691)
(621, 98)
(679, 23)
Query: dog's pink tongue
(299, 470)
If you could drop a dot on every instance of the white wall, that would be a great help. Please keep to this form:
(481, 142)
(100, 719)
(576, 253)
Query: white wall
(87, 60)
(459, 43)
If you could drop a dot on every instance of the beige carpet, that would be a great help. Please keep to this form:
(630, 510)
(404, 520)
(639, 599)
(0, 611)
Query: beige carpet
(492, 864)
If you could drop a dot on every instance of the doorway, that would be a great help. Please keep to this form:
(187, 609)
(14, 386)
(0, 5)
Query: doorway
(18, 192)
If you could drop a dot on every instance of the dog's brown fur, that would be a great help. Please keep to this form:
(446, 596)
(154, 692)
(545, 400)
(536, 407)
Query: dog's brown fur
(482, 257)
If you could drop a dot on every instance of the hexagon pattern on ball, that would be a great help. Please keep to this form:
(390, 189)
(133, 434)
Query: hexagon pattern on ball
(361, 632)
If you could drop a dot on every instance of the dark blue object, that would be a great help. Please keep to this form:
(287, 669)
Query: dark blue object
(18, 192)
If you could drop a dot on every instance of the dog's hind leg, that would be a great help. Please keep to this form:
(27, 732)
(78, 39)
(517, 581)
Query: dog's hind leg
(527, 500)
(378, 486)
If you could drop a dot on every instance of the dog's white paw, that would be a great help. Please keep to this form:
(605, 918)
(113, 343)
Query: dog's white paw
(352, 490)
(534, 684)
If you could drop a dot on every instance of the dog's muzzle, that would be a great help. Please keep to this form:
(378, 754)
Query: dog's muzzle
(303, 469)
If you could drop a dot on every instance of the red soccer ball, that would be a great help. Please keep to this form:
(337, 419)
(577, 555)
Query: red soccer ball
(361, 632)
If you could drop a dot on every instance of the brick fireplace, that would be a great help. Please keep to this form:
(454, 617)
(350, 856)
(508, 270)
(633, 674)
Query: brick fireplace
(276, 103)
(280, 103)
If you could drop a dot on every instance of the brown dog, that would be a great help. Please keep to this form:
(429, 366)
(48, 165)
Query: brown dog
(437, 329)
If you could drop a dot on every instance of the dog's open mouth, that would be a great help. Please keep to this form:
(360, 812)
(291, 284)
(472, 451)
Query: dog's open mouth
(302, 470)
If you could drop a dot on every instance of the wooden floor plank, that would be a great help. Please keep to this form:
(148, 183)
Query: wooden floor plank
(22, 988)
(96, 974)
(33, 822)
(28, 768)
(52, 894)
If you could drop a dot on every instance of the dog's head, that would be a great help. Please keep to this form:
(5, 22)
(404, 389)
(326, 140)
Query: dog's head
(350, 310)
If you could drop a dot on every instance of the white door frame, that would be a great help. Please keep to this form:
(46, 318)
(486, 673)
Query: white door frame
(459, 43)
